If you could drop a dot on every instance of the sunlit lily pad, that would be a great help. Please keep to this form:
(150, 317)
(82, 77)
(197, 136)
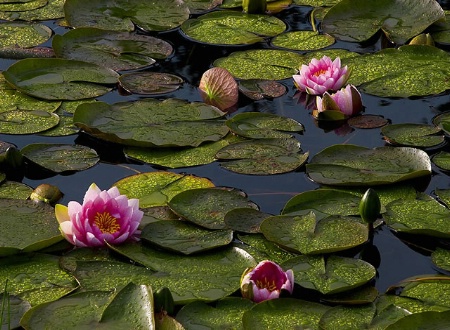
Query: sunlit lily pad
(16, 190)
(152, 123)
(27, 121)
(60, 79)
(207, 207)
(303, 40)
(262, 157)
(61, 157)
(124, 15)
(348, 317)
(150, 83)
(232, 27)
(245, 220)
(307, 235)
(358, 166)
(157, 188)
(22, 6)
(413, 135)
(350, 20)
(184, 237)
(442, 160)
(185, 275)
(53, 9)
(35, 278)
(226, 314)
(423, 216)
(441, 258)
(23, 34)
(256, 125)
(331, 275)
(115, 50)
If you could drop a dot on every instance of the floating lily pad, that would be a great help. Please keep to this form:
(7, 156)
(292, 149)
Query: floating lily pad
(53, 9)
(443, 195)
(172, 123)
(16, 190)
(262, 157)
(303, 40)
(349, 318)
(443, 122)
(22, 6)
(226, 27)
(257, 89)
(157, 188)
(60, 79)
(207, 207)
(316, 3)
(61, 157)
(362, 296)
(442, 160)
(353, 165)
(367, 121)
(185, 275)
(423, 216)
(199, 6)
(12, 309)
(23, 34)
(245, 220)
(441, 258)
(413, 135)
(184, 237)
(307, 235)
(124, 15)
(150, 83)
(35, 278)
(351, 20)
(27, 121)
(115, 50)
(436, 320)
(227, 314)
(256, 125)
(26, 226)
(331, 275)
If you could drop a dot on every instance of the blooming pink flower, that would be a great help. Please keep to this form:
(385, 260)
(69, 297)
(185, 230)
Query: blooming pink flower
(321, 75)
(265, 281)
(346, 100)
(105, 216)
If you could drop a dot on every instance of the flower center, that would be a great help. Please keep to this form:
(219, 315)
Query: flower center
(106, 223)
(319, 73)
(266, 284)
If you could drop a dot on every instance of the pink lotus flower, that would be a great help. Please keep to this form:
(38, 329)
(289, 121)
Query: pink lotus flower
(321, 75)
(105, 216)
(265, 281)
(346, 100)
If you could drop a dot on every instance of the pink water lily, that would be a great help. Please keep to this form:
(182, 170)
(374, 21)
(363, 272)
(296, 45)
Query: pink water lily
(266, 281)
(346, 100)
(321, 75)
(105, 216)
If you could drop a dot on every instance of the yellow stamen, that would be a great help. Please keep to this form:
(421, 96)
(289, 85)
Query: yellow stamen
(106, 223)
(265, 284)
(319, 73)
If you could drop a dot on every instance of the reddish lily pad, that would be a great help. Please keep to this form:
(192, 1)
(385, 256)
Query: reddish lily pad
(257, 89)
(367, 121)
(218, 87)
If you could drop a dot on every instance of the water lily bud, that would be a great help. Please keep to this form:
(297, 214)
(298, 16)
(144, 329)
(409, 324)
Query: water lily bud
(370, 206)
(46, 193)
(163, 301)
(219, 88)
(422, 39)
(254, 6)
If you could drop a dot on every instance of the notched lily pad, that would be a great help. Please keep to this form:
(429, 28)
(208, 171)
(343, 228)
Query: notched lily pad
(61, 157)
(303, 40)
(245, 220)
(150, 83)
(413, 135)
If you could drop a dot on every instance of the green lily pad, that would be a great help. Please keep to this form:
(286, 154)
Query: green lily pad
(257, 125)
(26, 226)
(226, 27)
(207, 207)
(60, 79)
(253, 219)
(12, 309)
(361, 296)
(23, 35)
(350, 20)
(268, 64)
(431, 320)
(226, 314)
(199, 6)
(307, 235)
(150, 83)
(442, 160)
(191, 278)
(424, 216)
(27, 121)
(177, 158)
(316, 3)
(413, 135)
(262, 157)
(443, 122)
(173, 122)
(184, 237)
(124, 15)
(53, 9)
(331, 275)
(353, 165)
(16, 190)
(443, 195)
(350, 318)
(35, 278)
(112, 49)
(303, 40)
(285, 313)
(441, 258)
(61, 157)
(158, 188)
(22, 6)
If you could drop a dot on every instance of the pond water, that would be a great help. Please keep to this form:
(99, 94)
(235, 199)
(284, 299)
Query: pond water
(399, 258)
